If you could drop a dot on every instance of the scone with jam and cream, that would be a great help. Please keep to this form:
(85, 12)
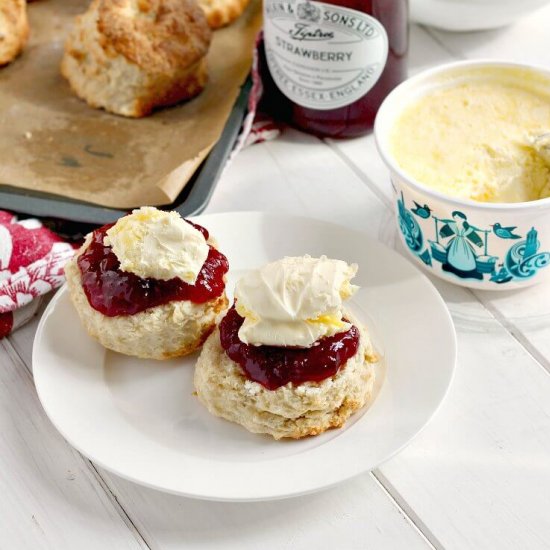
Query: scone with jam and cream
(287, 360)
(150, 285)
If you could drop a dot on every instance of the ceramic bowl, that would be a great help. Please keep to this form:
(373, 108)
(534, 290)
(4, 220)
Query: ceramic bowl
(471, 15)
(430, 221)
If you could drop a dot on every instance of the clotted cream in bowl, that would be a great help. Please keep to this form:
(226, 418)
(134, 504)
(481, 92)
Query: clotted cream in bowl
(467, 151)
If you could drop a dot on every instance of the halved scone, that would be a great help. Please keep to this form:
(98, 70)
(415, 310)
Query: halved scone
(286, 360)
(291, 411)
(148, 286)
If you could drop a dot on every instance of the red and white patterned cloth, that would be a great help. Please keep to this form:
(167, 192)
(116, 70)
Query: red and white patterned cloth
(257, 126)
(31, 265)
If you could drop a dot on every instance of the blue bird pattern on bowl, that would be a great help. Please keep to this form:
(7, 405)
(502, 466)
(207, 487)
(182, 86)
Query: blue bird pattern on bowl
(463, 249)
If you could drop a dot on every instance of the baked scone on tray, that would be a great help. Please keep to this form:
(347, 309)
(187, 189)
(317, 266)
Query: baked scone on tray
(14, 29)
(132, 56)
(152, 285)
(220, 13)
(287, 360)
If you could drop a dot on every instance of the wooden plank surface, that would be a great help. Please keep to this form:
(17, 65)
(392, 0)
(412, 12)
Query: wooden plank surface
(477, 477)
(49, 495)
(358, 515)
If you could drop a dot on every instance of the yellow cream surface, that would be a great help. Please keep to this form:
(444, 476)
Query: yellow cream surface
(477, 140)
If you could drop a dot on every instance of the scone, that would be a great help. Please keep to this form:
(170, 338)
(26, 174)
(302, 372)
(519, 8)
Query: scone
(220, 13)
(14, 29)
(152, 285)
(287, 360)
(131, 56)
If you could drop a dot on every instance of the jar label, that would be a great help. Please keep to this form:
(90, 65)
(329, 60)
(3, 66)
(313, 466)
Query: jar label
(320, 55)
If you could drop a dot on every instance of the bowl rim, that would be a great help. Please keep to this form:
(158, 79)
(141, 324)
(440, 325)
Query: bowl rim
(424, 76)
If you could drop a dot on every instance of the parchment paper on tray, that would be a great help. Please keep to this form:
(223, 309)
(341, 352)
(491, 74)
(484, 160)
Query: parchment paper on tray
(51, 141)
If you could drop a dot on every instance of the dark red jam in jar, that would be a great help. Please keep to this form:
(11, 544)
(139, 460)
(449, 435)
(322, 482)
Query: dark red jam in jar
(114, 292)
(273, 367)
(329, 65)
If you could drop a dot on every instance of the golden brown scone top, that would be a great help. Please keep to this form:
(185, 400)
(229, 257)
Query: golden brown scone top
(220, 13)
(14, 29)
(158, 35)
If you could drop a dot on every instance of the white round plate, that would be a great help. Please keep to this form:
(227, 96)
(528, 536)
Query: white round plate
(140, 419)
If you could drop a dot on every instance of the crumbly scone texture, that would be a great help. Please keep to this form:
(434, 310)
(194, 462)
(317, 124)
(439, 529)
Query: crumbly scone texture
(14, 29)
(289, 411)
(220, 13)
(162, 332)
(132, 56)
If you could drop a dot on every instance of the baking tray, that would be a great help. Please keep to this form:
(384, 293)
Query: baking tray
(192, 200)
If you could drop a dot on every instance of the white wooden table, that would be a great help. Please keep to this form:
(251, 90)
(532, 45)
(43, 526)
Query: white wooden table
(478, 477)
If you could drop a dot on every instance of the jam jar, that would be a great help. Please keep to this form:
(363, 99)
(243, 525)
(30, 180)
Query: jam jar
(327, 66)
